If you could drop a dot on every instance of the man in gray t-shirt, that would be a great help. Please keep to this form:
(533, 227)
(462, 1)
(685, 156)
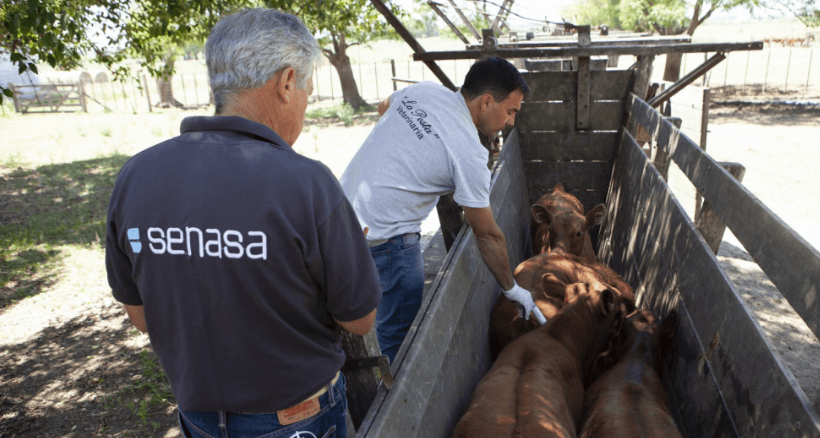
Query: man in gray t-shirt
(424, 146)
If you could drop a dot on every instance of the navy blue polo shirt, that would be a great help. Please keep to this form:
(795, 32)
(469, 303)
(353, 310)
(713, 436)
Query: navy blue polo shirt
(242, 252)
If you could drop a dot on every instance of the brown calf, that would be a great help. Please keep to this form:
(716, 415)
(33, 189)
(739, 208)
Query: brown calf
(629, 399)
(558, 224)
(546, 277)
(535, 386)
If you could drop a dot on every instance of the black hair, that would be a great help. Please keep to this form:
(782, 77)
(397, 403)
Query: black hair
(495, 76)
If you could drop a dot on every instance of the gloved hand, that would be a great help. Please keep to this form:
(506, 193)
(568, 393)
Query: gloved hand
(523, 298)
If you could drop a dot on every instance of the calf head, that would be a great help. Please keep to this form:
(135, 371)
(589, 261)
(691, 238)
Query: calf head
(603, 307)
(645, 334)
(560, 225)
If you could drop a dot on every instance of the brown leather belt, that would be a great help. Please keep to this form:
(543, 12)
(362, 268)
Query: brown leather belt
(305, 409)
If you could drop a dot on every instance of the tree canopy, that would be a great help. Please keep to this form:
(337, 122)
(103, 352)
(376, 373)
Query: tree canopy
(62, 33)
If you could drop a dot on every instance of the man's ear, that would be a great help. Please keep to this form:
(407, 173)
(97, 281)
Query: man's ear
(486, 100)
(285, 83)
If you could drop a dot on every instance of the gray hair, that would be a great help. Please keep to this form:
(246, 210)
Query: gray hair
(246, 49)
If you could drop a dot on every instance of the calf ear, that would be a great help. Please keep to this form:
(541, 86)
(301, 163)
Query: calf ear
(607, 301)
(540, 214)
(595, 216)
(558, 186)
(669, 326)
(553, 287)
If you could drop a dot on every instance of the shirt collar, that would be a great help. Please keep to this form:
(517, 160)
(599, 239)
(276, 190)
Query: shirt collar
(231, 123)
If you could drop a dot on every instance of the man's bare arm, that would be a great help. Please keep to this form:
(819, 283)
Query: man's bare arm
(360, 326)
(491, 244)
(384, 106)
(137, 317)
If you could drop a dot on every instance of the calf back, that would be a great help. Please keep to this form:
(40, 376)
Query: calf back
(535, 386)
(629, 399)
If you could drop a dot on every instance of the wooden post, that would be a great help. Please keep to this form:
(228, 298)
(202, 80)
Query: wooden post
(641, 85)
(83, 102)
(184, 94)
(808, 75)
(707, 221)
(726, 72)
(134, 89)
(788, 66)
(393, 70)
(661, 160)
(746, 74)
(583, 101)
(114, 95)
(704, 130)
(147, 94)
(14, 98)
(331, 83)
(705, 57)
(766, 78)
(362, 384)
(124, 97)
(316, 80)
(196, 89)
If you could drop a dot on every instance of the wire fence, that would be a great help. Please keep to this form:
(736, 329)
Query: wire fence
(792, 70)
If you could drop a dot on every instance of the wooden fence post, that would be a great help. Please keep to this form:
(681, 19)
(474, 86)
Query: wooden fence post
(147, 94)
(14, 98)
(393, 70)
(661, 160)
(83, 103)
(726, 72)
(184, 94)
(362, 382)
(331, 82)
(788, 66)
(808, 75)
(196, 92)
(766, 78)
(707, 221)
(746, 74)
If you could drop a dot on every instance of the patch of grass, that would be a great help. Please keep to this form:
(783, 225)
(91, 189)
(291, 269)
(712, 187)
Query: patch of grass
(152, 387)
(44, 208)
(106, 131)
(343, 113)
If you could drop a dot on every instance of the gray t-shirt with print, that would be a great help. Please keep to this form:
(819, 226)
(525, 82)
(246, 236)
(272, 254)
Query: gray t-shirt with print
(424, 146)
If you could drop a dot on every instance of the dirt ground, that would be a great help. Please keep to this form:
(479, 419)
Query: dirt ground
(71, 365)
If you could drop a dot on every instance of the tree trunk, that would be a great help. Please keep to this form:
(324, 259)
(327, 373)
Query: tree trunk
(339, 59)
(166, 88)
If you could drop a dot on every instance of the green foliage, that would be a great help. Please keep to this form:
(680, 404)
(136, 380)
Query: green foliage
(596, 13)
(644, 15)
(342, 112)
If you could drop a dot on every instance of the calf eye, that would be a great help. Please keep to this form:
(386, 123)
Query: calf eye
(578, 234)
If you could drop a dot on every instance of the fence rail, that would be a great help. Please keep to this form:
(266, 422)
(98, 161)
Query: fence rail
(792, 70)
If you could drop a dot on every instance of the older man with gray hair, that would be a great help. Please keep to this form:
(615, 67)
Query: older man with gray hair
(239, 257)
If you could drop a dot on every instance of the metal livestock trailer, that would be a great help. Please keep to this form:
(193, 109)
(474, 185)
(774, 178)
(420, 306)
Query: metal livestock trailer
(723, 376)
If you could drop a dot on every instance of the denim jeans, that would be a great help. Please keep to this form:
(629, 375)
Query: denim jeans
(401, 271)
(328, 423)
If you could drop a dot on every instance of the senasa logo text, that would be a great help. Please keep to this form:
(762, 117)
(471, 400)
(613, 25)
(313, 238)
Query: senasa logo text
(212, 242)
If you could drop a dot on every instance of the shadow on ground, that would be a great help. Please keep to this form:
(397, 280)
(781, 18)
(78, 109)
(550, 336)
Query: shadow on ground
(48, 206)
(92, 376)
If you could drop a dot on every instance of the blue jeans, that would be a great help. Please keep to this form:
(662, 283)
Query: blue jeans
(401, 271)
(328, 423)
